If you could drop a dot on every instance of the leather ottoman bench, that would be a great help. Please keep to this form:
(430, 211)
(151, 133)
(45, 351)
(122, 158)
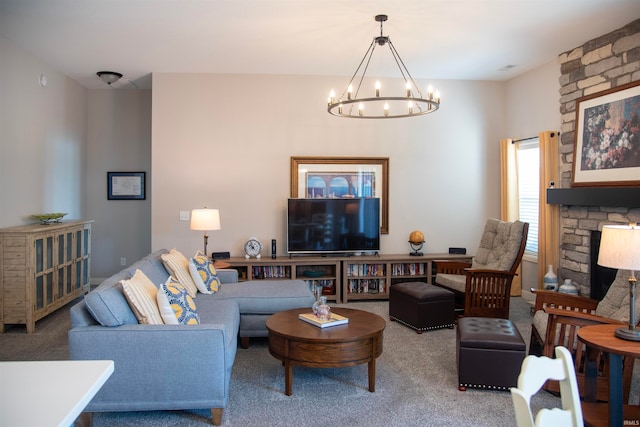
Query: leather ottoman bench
(421, 306)
(489, 353)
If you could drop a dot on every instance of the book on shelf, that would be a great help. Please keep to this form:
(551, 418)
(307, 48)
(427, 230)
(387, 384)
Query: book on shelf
(333, 320)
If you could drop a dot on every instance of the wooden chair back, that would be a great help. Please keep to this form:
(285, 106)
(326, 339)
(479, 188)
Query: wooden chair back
(535, 371)
(562, 329)
(488, 292)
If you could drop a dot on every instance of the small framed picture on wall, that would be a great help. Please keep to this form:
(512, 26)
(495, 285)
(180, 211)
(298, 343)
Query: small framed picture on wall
(126, 186)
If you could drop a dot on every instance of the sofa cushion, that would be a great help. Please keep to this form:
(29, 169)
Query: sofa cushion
(204, 273)
(183, 306)
(178, 266)
(107, 303)
(267, 296)
(152, 267)
(141, 293)
(499, 245)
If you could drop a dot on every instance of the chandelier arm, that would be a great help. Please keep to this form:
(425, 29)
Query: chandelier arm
(364, 72)
(370, 49)
(397, 58)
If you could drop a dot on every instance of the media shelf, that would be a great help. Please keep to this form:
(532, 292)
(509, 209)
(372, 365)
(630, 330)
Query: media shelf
(370, 277)
(345, 279)
(315, 271)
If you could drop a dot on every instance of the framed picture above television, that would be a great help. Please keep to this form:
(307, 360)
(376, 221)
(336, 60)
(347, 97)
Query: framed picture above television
(343, 177)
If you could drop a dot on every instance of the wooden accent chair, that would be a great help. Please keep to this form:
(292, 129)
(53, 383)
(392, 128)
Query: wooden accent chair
(483, 288)
(557, 318)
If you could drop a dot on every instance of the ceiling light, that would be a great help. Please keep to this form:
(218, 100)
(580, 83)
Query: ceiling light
(410, 103)
(109, 77)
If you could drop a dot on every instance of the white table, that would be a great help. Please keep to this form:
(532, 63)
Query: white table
(49, 393)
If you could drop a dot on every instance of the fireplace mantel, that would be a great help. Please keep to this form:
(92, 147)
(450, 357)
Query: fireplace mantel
(628, 197)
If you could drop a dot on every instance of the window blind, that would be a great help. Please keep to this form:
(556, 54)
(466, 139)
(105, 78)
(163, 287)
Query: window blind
(528, 159)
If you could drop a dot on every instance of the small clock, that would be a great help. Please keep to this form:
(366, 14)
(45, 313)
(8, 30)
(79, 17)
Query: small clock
(252, 248)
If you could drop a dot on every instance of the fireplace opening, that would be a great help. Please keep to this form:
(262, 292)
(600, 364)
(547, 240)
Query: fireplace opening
(601, 277)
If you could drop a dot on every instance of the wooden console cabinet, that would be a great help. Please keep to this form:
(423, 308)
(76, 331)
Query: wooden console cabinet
(345, 278)
(42, 267)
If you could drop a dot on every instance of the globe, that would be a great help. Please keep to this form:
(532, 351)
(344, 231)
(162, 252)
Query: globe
(416, 240)
(416, 237)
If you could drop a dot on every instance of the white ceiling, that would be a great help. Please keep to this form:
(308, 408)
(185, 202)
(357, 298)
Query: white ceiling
(436, 39)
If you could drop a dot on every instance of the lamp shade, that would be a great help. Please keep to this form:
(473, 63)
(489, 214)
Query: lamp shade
(620, 247)
(205, 219)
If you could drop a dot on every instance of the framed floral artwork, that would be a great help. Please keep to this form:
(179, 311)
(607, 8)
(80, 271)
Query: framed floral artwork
(607, 145)
(325, 177)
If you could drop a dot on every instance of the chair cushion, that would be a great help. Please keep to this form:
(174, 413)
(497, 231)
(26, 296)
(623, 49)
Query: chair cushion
(539, 322)
(457, 282)
(499, 245)
(615, 304)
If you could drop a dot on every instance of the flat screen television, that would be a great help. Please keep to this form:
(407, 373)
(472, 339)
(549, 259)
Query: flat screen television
(339, 225)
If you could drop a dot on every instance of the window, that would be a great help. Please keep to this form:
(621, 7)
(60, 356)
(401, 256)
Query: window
(528, 159)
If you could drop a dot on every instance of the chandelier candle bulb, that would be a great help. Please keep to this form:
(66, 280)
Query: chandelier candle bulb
(349, 92)
(377, 89)
(332, 96)
(340, 108)
(408, 86)
(360, 109)
(410, 107)
(386, 109)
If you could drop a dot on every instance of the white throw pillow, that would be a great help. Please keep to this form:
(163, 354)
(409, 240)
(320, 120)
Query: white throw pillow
(168, 316)
(140, 293)
(178, 266)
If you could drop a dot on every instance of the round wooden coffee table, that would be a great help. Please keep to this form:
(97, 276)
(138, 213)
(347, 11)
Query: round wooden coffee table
(296, 342)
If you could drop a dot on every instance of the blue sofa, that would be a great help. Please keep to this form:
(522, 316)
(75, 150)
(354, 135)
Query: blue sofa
(172, 367)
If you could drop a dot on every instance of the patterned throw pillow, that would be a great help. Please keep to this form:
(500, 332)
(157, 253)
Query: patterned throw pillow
(182, 305)
(203, 273)
(178, 266)
(140, 293)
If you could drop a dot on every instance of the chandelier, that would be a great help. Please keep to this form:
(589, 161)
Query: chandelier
(413, 103)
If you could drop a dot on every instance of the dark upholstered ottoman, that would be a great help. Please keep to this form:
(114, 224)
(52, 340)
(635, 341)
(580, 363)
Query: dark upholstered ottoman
(489, 353)
(421, 306)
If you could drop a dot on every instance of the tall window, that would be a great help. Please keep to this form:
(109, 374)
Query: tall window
(528, 158)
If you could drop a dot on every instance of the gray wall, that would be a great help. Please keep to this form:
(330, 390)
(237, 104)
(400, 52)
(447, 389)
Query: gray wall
(42, 140)
(58, 142)
(119, 140)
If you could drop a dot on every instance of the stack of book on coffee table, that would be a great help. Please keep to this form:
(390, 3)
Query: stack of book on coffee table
(333, 320)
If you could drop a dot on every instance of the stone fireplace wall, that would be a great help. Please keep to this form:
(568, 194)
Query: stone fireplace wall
(602, 63)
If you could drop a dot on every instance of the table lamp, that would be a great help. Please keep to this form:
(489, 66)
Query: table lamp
(205, 220)
(620, 248)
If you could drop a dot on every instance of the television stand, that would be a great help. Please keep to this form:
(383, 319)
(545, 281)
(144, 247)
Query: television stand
(345, 277)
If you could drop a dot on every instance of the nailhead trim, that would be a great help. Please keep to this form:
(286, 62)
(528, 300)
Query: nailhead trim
(485, 386)
(429, 328)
